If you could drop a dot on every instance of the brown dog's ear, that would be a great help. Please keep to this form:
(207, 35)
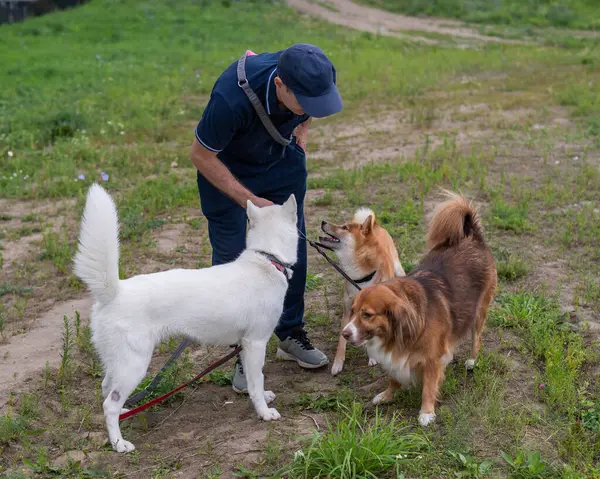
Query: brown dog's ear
(404, 320)
(367, 226)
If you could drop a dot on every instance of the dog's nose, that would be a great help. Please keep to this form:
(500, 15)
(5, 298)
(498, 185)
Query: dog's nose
(323, 223)
(346, 334)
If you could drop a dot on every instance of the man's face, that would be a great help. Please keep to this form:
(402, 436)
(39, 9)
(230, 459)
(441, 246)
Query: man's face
(285, 96)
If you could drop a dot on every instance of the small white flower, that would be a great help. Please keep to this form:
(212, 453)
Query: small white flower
(10, 154)
(122, 132)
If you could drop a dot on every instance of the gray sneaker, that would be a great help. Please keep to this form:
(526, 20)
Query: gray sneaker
(297, 347)
(238, 383)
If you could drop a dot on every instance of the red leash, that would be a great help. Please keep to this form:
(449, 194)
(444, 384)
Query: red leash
(160, 399)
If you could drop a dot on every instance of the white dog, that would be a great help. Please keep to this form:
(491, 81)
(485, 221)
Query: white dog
(234, 303)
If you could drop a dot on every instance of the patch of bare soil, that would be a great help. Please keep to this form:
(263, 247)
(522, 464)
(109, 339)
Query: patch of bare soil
(14, 217)
(24, 247)
(27, 354)
(349, 14)
(169, 237)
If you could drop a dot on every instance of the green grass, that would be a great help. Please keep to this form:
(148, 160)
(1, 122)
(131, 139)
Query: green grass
(7, 288)
(559, 351)
(107, 97)
(325, 402)
(581, 14)
(12, 428)
(510, 217)
(529, 465)
(357, 448)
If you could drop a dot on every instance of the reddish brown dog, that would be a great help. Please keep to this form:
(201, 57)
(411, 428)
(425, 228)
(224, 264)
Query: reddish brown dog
(411, 325)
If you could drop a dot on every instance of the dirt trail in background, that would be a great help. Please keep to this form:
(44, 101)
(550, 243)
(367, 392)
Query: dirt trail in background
(349, 14)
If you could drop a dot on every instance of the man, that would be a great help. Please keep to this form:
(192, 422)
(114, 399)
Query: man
(250, 144)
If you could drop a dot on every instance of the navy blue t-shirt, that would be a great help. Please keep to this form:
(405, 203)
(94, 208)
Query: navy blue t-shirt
(230, 125)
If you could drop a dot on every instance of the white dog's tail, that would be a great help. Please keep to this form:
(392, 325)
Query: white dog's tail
(97, 259)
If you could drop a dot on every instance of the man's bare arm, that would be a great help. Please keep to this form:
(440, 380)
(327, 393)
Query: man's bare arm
(220, 177)
(301, 133)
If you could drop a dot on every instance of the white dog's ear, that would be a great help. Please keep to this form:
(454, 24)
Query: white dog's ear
(290, 206)
(251, 211)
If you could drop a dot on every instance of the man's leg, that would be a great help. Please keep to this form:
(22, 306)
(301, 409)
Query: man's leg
(294, 345)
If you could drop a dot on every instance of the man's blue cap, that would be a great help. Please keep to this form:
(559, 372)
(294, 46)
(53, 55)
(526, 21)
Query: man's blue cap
(307, 71)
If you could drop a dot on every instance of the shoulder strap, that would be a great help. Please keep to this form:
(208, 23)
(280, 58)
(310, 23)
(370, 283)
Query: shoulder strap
(258, 107)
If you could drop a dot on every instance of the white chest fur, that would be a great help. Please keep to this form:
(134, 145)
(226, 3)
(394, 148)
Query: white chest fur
(396, 368)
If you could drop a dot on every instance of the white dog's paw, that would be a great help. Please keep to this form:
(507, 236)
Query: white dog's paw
(373, 362)
(269, 396)
(121, 445)
(426, 419)
(381, 398)
(337, 367)
(270, 414)
(470, 364)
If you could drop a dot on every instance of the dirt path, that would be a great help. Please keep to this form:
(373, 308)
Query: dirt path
(349, 14)
(27, 354)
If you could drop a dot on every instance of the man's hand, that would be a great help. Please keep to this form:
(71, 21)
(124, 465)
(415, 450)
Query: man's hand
(260, 202)
(301, 134)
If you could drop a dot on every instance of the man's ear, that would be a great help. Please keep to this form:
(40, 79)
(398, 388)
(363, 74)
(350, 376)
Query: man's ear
(367, 226)
(291, 207)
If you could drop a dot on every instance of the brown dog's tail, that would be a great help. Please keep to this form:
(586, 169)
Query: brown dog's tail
(453, 220)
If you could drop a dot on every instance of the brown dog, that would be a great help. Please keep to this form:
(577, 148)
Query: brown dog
(368, 255)
(411, 325)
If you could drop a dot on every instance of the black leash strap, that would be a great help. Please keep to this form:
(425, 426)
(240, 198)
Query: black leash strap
(152, 386)
(317, 246)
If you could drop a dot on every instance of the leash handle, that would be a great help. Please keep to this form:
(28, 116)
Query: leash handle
(160, 399)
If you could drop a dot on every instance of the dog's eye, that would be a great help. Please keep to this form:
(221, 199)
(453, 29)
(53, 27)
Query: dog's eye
(367, 315)
(344, 227)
